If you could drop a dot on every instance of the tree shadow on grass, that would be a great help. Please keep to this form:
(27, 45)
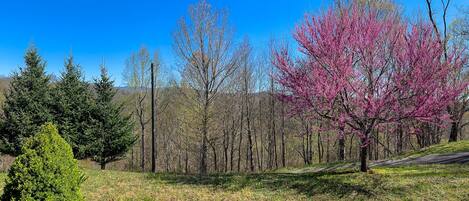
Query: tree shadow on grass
(309, 184)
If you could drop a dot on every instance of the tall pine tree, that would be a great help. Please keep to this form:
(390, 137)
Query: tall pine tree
(27, 104)
(72, 106)
(113, 135)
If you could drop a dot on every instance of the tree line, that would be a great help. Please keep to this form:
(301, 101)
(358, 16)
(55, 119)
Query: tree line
(85, 114)
(235, 108)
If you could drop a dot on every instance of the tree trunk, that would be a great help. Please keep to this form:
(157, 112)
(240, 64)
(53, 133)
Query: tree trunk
(320, 151)
(103, 165)
(203, 156)
(453, 135)
(327, 148)
(233, 136)
(142, 147)
(215, 161)
(310, 143)
(341, 148)
(225, 150)
(250, 158)
(240, 139)
(400, 138)
(257, 150)
(203, 147)
(153, 118)
(261, 132)
(186, 162)
(283, 135)
(363, 154)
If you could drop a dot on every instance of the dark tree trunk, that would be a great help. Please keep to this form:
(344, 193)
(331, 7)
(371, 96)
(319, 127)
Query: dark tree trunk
(103, 165)
(260, 156)
(203, 156)
(350, 148)
(363, 154)
(240, 139)
(320, 151)
(153, 119)
(310, 143)
(225, 150)
(341, 148)
(233, 136)
(400, 138)
(215, 161)
(203, 146)
(186, 162)
(283, 136)
(142, 147)
(453, 135)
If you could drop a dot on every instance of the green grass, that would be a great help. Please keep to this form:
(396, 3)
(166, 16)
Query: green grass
(429, 182)
(444, 148)
(416, 182)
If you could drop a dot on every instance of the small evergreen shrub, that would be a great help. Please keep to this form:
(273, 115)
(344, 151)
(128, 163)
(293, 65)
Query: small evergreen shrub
(45, 170)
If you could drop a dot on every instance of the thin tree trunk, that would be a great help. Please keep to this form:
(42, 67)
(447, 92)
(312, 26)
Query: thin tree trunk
(400, 135)
(350, 148)
(203, 148)
(240, 140)
(233, 137)
(341, 148)
(142, 146)
(328, 141)
(215, 161)
(225, 150)
(153, 119)
(186, 162)
(283, 135)
(320, 152)
(261, 132)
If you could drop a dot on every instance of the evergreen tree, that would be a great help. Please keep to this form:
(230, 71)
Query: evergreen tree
(113, 135)
(72, 106)
(27, 104)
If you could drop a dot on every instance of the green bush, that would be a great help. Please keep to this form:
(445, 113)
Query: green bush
(45, 170)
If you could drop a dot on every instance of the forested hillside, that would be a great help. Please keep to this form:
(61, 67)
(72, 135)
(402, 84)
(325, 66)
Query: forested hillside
(367, 104)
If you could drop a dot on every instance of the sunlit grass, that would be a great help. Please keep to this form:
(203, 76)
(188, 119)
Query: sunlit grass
(444, 148)
(422, 182)
(340, 181)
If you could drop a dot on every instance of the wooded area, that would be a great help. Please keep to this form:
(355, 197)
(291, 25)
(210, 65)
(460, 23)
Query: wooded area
(234, 109)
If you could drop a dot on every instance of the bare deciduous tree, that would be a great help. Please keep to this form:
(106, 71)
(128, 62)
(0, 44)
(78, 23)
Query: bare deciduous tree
(203, 44)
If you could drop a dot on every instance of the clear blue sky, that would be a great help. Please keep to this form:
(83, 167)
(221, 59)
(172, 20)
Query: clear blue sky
(94, 30)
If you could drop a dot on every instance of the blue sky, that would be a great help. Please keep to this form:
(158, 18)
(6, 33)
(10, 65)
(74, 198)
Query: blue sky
(97, 30)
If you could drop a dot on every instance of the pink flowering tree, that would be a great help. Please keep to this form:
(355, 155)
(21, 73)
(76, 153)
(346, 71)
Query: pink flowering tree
(361, 69)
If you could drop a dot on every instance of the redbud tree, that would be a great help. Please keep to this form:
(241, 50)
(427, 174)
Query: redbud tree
(362, 69)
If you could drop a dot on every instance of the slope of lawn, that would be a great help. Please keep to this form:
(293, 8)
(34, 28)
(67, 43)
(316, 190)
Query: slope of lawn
(444, 148)
(429, 182)
(337, 181)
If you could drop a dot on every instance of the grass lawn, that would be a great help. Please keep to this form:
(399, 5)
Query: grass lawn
(428, 182)
(444, 148)
(416, 182)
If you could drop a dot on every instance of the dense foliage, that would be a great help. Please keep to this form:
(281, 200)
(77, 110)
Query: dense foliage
(27, 104)
(45, 170)
(113, 135)
(363, 70)
(71, 106)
